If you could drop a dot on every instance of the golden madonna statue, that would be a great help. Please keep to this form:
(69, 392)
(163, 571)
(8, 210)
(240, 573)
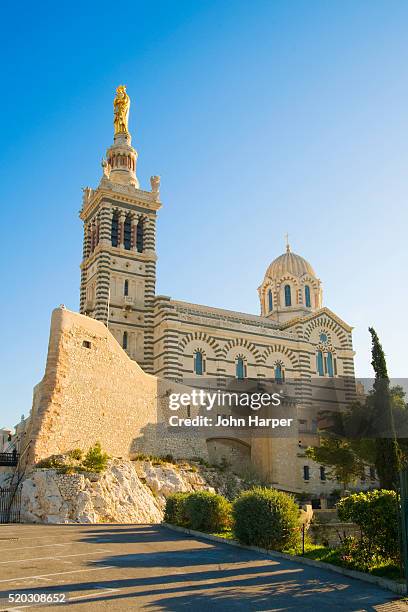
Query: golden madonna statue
(121, 106)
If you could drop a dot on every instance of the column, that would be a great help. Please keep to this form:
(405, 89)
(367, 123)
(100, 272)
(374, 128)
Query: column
(169, 337)
(150, 290)
(135, 220)
(86, 248)
(149, 235)
(103, 266)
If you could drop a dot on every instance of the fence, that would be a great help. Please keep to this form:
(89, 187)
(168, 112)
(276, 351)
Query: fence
(10, 504)
(9, 458)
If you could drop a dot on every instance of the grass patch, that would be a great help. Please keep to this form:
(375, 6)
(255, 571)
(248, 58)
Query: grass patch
(156, 460)
(227, 534)
(386, 569)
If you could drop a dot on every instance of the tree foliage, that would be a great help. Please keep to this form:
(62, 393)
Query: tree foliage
(95, 459)
(364, 435)
(387, 452)
(337, 454)
(376, 513)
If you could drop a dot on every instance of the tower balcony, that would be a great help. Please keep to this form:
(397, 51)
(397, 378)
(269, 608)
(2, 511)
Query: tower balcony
(128, 302)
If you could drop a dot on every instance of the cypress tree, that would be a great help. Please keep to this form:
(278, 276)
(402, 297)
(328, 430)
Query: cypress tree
(387, 453)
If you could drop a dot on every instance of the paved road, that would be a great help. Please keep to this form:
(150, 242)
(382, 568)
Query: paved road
(145, 567)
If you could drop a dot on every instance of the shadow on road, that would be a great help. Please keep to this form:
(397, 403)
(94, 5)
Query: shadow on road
(202, 575)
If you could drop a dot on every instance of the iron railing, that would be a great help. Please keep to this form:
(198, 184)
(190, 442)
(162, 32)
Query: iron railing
(9, 458)
(10, 504)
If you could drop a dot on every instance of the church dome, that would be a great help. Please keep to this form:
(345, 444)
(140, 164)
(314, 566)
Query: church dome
(289, 263)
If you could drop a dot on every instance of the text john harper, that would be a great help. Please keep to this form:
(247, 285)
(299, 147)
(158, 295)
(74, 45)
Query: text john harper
(252, 420)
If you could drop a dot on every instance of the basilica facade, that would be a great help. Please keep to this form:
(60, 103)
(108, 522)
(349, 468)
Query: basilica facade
(295, 339)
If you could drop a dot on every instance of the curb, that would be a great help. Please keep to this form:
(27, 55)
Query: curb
(385, 583)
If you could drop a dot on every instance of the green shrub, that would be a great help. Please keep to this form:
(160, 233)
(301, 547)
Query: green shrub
(207, 511)
(51, 463)
(174, 512)
(75, 453)
(200, 461)
(376, 513)
(267, 518)
(141, 457)
(155, 459)
(95, 459)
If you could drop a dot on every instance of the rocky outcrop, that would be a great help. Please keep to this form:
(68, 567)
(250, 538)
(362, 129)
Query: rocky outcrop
(126, 492)
(164, 480)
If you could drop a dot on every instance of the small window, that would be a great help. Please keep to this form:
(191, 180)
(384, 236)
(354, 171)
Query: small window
(322, 472)
(139, 236)
(279, 375)
(86, 344)
(240, 368)
(307, 296)
(319, 363)
(329, 362)
(198, 363)
(127, 232)
(189, 411)
(288, 296)
(126, 288)
(125, 340)
(372, 472)
(270, 300)
(306, 472)
(115, 229)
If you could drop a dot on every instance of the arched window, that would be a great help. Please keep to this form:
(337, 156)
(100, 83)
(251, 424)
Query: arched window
(307, 296)
(270, 300)
(279, 375)
(139, 236)
(127, 232)
(126, 288)
(125, 340)
(198, 363)
(240, 368)
(329, 362)
(115, 229)
(319, 363)
(288, 297)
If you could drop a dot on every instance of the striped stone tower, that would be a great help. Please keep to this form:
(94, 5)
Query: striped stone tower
(118, 269)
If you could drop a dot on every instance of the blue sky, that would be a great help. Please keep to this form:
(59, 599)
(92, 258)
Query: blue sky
(261, 117)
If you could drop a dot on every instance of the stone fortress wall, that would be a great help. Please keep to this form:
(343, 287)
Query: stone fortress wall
(92, 390)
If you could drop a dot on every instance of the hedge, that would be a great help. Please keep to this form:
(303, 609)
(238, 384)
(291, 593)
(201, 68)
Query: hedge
(202, 511)
(206, 511)
(267, 518)
(174, 511)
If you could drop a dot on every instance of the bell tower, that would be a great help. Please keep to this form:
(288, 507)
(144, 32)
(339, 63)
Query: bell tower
(118, 269)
